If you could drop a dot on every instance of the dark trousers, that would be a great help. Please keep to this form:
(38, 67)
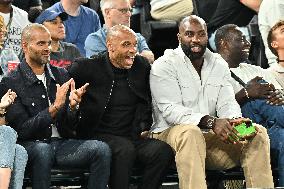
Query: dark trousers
(153, 155)
(89, 154)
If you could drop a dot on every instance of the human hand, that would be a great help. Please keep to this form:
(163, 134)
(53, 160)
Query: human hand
(145, 134)
(75, 96)
(257, 89)
(61, 92)
(7, 99)
(224, 130)
(275, 98)
(243, 134)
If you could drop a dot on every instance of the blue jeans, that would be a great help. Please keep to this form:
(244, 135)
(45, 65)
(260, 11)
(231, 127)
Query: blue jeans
(68, 153)
(271, 117)
(12, 156)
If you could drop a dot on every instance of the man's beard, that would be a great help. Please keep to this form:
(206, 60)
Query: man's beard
(193, 55)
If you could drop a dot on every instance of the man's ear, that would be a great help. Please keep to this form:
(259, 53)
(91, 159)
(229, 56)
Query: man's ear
(274, 44)
(109, 46)
(179, 38)
(24, 46)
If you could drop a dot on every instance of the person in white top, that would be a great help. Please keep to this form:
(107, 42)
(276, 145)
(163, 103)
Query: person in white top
(259, 100)
(191, 91)
(15, 20)
(167, 9)
(275, 42)
(270, 12)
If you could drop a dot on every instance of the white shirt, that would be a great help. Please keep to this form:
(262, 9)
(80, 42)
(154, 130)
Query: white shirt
(247, 72)
(181, 97)
(19, 22)
(54, 130)
(270, 12)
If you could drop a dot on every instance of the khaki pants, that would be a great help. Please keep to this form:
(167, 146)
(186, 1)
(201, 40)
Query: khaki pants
(193, 148)
(174, 11)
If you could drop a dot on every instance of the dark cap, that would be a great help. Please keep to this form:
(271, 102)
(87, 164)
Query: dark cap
(49, 15)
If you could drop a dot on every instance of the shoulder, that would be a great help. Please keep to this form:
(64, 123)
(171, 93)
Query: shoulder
(88, 11)
(19, 11)
(55, 7)
(169, 60)
(95, 35)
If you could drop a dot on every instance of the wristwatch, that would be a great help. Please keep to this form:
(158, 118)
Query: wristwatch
(210, 122)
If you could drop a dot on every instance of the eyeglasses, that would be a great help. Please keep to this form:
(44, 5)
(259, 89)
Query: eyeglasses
(124, 10)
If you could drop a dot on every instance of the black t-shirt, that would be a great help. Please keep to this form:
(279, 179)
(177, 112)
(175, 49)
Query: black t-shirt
(26, 4)
(120, 111)
(67, 53)
(230, 12)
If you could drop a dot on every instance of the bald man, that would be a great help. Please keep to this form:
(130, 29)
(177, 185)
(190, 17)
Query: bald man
(191, 90)
(117, 109)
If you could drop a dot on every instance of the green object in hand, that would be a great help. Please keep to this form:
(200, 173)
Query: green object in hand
(245, 129)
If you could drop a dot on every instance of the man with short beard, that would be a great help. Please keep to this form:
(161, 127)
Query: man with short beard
(191, 92)
(45, 114)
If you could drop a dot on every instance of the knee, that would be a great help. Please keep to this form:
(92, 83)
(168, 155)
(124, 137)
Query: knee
(125, 151)
(262, 136)
(42, 153)
(9, 133)
(189, 133)
(21, 152)
(21, 157)
(99, 150)
(163, 151)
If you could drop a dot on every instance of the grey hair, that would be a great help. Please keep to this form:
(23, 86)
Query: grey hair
(106, 4)
(28, 31)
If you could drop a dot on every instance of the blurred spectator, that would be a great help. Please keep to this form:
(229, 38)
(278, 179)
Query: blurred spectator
(115, 12)
(171, 9)
(13, 157)
(62, 53)
(239, 12)
(270, 12)
(26, 5)
(81, 21)
(275, 41)
(6, 54)
(15, 20)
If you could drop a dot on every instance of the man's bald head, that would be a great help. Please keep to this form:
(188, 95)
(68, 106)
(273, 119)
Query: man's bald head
(191, 19)
(117, 30)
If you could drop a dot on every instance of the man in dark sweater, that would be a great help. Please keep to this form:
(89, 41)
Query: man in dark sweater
(116, 109)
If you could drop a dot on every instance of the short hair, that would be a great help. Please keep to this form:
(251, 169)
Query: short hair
(191, 18)
(28, 31)
(116, 30)
(271, 37)
(106, 4)
(224, 34)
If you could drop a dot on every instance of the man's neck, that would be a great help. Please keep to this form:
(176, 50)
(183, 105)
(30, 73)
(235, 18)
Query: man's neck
(71, 7)
(197, 64)
(281, 57)
(5, 8)
(233, 63)
(36, 68)
(55, 45)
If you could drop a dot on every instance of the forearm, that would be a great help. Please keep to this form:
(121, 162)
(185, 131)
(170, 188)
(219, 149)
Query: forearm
(252, 4)
(242, 96)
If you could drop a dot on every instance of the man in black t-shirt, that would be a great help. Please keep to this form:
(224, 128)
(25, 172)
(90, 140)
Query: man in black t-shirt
(117, 109)
(27, 4)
